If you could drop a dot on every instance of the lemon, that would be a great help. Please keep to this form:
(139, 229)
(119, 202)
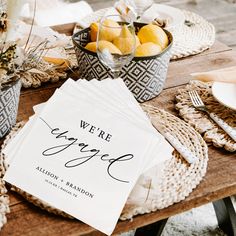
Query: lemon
(147, 49)
(92, 46)
(109, 30)
(103, 44)
(93, 31)
(153, 33)
(125, 41)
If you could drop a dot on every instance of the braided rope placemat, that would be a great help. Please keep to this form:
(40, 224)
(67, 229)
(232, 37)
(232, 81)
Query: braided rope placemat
(211, 132)
(4, 199)
(161, 186)
(195, 36)
(177, 179)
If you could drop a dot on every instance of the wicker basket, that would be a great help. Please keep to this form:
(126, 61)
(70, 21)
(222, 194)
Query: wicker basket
(144, 76)
(9, 100)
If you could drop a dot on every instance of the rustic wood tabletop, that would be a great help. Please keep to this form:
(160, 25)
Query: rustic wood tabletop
(219, 182)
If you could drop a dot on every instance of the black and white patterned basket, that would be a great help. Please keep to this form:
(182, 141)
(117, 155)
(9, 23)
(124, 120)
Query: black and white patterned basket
(9, 100)
(144, 76)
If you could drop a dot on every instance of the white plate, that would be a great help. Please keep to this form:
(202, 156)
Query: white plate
(174, 16)
(225, 93)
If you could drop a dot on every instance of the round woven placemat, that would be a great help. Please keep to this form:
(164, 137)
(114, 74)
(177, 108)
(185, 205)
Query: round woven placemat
(161, 186)
(193, 37)
(4, 199)
(211, 132)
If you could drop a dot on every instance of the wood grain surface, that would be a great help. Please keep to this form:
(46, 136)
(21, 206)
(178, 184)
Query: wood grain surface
(219, 182)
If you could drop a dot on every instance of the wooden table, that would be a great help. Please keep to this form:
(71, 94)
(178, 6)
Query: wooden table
(219, 182)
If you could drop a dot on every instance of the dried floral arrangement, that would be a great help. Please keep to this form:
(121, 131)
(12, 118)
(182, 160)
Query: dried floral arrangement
(8, 52)
(11, 56)
(24, 59)
(35, 70)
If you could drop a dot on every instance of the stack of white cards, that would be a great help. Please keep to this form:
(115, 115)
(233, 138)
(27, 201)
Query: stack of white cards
(83, 151)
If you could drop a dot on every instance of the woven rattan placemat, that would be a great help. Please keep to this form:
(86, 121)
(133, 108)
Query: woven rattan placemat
(177, 179)
(195, 36)
(211, 132)
(4, 199)
(161, 186)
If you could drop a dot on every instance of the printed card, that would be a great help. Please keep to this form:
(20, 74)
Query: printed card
(83, 151)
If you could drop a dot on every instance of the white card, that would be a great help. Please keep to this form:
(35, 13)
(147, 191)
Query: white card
(85, 171)
(161, 150)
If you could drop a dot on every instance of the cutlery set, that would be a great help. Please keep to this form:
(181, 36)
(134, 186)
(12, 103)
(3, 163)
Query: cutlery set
(199, 105)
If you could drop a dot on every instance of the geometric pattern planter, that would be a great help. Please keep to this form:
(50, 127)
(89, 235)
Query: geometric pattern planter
(9, 100)
(144, 76)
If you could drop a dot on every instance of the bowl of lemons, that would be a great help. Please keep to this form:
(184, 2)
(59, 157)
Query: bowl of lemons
(145, 74)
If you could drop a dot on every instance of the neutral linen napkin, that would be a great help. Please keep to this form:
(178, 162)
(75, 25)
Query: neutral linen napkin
(78, 147)
(87, 209)
(118, 94)
(55, 12)
(226, 75)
